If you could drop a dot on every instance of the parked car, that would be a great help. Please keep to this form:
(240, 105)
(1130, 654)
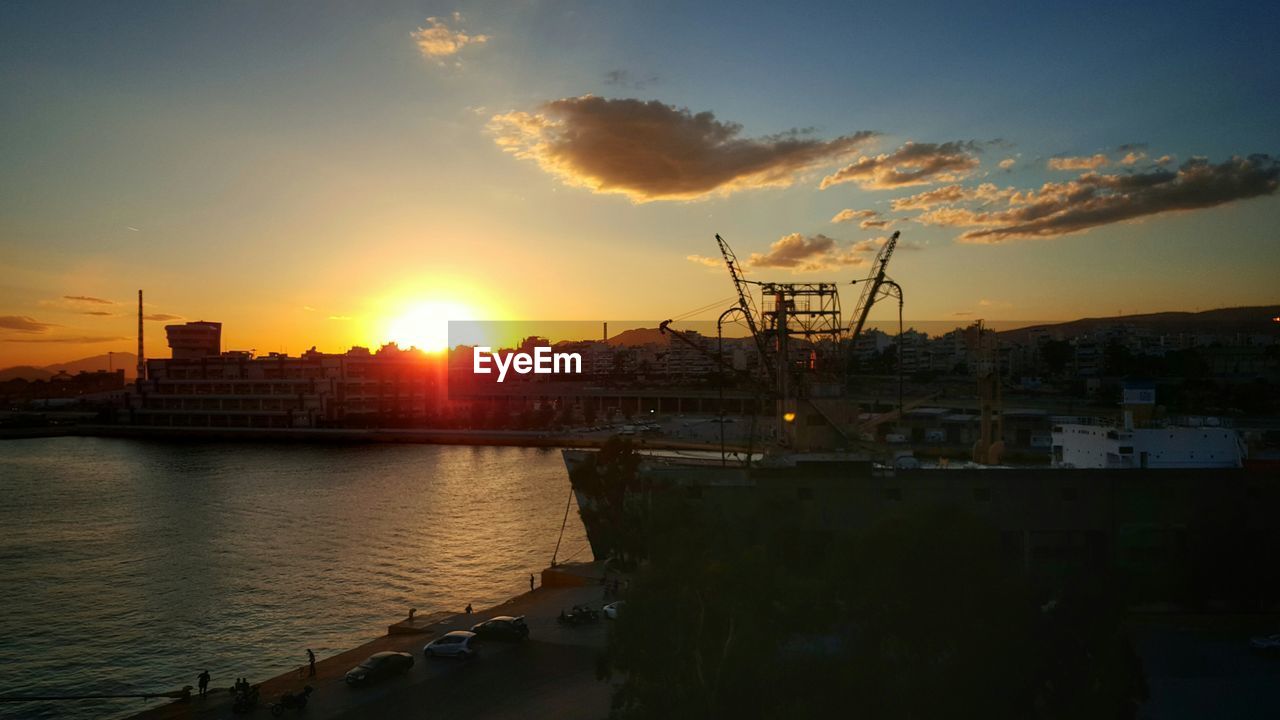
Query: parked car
(378, 666)
(611, 610)
(503, 627)
(1265, 644)
(455, 643)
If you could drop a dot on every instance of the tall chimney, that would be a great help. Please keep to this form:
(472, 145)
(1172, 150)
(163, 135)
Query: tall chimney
(606, 331)
(142, 363)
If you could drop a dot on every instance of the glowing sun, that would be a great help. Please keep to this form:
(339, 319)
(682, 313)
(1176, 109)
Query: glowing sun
(425, 325)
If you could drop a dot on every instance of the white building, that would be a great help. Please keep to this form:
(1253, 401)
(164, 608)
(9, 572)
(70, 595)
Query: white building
(1101, 446)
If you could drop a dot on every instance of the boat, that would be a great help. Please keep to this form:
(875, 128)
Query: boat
(1150, 498)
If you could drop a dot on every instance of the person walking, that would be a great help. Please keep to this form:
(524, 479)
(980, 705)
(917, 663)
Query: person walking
(530, 582)
(468, 608)
(203, 679)
(311, 659)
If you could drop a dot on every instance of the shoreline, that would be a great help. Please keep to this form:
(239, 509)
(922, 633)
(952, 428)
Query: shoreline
(560, 586)
(424, 436)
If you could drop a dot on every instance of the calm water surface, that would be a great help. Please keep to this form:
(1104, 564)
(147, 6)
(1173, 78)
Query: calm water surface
(129, 566)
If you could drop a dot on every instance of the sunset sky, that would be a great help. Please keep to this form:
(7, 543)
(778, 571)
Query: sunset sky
(326, 173)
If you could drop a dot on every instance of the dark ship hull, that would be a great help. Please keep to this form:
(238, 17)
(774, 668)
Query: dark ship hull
(1155, 524)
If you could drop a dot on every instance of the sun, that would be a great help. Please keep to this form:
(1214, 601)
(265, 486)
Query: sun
(425, 325)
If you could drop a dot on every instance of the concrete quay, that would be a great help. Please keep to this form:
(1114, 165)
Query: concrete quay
(552, 674)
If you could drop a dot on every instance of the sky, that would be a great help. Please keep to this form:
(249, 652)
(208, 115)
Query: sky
(337, 174)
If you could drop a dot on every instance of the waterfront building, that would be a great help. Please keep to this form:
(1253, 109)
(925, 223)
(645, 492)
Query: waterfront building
(194, 340)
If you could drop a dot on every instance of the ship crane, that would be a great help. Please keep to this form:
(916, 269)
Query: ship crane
(745, 302)
(872, 286)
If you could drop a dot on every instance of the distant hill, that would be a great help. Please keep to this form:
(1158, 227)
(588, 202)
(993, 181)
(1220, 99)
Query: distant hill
(637, 337)
(1256, 320)
(118, 361)
(26, 372)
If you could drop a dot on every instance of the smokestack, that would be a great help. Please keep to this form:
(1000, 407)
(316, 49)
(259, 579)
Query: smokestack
(142, 363)
(606, 332)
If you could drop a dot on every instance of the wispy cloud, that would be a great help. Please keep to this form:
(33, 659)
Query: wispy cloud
(339, 317)
(848, 215)
(1094, 199)
(88, 299)
(705, 261)
(1007, 163)
(911, 164)
(439, 41)
(22, 323)
(74, 340)
(625, 79)
(1092, 162)
(161, 317)
(984, 193)
(653, 151)
(99, 313)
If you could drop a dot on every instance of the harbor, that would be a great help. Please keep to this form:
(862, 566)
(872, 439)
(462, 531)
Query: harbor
(551, 674)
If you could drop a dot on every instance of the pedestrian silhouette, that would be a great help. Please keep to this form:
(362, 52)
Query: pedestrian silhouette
(411, 612)
(530, 582)
(203, 677)
(311, 658)
(468, 608)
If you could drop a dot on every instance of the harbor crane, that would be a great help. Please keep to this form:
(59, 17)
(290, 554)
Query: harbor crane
(749, 312)
(872, 286)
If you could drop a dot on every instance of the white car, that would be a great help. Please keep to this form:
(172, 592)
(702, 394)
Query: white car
(455, 643)
(611, 610)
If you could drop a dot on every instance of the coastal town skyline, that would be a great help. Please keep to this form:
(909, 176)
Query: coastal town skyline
(334, 177)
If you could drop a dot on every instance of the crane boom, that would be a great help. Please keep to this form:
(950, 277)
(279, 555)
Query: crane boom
(744, 301)
(871, 286)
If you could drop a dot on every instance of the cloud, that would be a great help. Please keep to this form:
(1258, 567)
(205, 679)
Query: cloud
(794, 251)
(811, 253)
(1007, 163)
(710, 262)
(438, 41)
(984, 193)
(22, 323)
(87, 299)
(911, 164)
(1133, 158)
(339, 317)
(161, 317)
(653, 151)
(624, 78)
(1093, 199)
(77, 340)
(880, 224)
(848, 215)
(1164, 160)
(101, 313)
(1092, 162)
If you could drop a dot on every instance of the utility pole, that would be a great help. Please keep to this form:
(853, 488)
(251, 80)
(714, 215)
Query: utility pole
(142, 363)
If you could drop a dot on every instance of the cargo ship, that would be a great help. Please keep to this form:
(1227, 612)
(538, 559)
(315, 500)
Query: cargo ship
(1156, 499)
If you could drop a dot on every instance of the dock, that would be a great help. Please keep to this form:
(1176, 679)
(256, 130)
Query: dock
(552, 674)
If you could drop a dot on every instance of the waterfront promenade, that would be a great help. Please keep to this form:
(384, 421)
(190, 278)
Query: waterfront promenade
(552, 674)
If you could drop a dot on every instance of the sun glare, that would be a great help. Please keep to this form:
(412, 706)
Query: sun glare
(425, 325)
